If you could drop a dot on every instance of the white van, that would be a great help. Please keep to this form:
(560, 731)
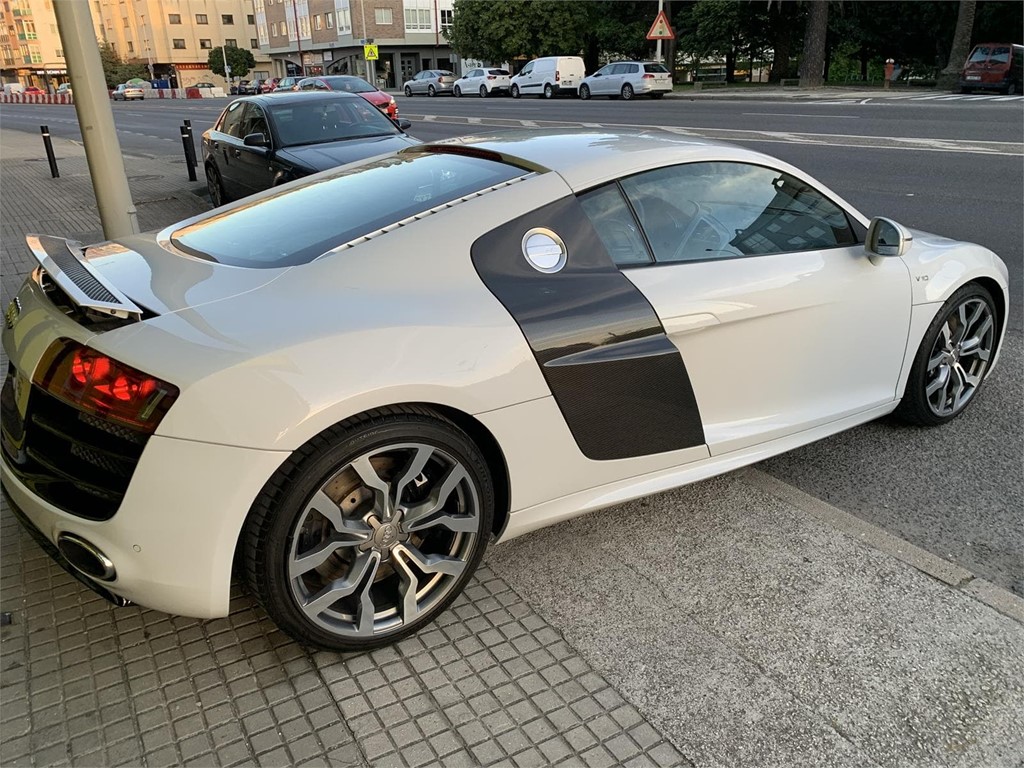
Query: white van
(548, 77)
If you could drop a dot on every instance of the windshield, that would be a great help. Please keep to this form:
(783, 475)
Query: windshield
(996, 54)
(318, 121)
(297, 224)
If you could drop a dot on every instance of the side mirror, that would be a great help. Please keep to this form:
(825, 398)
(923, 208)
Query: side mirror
(256, 140)
(596, 74)
(404, 124)
(887, 238)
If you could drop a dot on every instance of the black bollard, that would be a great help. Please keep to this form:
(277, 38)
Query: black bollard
(49, 151)
(192, 143)
(185, 145)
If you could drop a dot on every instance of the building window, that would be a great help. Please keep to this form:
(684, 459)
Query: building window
(254, 43)
(417, 18)
(250, 20)
(60, 53)
(304, 25)
(231, 41)
(383, 16)
(131, 47)
(124, 22)
(201, 18)
(179, 43)
(205, 44)
(227, 18)
(329, 20)
(447, 17)
(174, 18)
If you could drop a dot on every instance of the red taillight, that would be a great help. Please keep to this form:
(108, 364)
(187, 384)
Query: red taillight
(89, 380)
(491, 77)
(648, 77)
(556, 75)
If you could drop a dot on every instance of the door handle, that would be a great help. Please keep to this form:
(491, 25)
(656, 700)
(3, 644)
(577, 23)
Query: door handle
(236, 152)
(215, 144)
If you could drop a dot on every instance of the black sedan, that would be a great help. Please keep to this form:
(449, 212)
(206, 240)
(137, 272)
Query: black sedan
(259, 142)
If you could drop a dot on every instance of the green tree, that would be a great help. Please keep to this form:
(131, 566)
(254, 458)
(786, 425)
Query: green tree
(117, 70)
(961, 45)
(240, 60)
(812, 67)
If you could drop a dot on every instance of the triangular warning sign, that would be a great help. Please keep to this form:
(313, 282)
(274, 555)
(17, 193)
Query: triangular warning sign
(660, 29)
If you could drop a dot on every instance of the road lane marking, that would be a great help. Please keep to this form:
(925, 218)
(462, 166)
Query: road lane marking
(819, 117)
(1007, 148)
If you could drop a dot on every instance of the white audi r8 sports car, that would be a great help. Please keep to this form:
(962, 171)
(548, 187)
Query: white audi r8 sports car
(463, 341)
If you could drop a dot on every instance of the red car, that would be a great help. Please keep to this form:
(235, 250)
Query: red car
(33, 89)
(267, 86)
(383, 101)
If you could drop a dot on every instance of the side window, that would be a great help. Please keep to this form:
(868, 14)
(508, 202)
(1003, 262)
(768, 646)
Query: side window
(254, 121)
(619, 69)
(528, 69)
(632, 69)
(605, 70)
(615, 225)
(706, 211)
(231, 122)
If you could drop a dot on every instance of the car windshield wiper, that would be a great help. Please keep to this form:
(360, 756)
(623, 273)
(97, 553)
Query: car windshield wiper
(341, 138)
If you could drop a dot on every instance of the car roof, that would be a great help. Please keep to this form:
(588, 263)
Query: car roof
(585, 157)
(285, 97)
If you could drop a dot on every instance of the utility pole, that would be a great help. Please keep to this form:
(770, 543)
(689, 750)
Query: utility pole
(95, 118)
(362, 15)
(145, 42)
(657, 48)
(298, 39)
(227, 67)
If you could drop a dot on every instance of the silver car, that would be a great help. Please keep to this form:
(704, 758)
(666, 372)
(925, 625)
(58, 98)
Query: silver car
(125, 92)
(628, 79)
(431, 82)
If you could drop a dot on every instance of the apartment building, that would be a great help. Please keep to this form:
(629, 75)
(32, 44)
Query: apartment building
(315, 37)
(31, 52)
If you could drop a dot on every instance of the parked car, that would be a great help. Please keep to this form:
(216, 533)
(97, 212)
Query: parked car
(287, 84)
(994, 66)
(627, 79)
(548, 77)
(349, 385)
(125, 92)
(484, 81)
(351, 84)
(430, 82)
(260, 142)
(10, 88)
(204, 85)
(34, 90)
(248, 87)
(268, 86)
(64, 89)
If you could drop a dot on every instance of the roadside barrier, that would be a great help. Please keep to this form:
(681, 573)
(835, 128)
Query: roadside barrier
(35, 98)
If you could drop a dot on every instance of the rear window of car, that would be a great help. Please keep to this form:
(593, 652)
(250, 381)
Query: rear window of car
(298, 224)
(497, 72)
(655, 68)
(350, 84)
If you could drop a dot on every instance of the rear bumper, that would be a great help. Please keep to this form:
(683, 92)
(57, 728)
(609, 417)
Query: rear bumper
(990, 85)
(172, 542)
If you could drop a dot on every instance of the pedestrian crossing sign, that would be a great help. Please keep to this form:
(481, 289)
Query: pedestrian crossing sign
(661, 29)
(370, 52)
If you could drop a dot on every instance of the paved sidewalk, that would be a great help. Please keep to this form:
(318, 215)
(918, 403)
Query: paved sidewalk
(735, 622)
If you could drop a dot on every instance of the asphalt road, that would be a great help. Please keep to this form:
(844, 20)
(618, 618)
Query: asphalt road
(957, 491)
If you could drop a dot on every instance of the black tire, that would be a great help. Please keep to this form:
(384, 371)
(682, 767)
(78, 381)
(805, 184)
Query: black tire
(215, 186)
(657, 96)
(627, 92)
(549, 91)
(964, 89)
(515, 92)
(584, 92)
(408, 91)
(285, 518)
(483, 92)
(457, 92)
(431, 91)
(917, 406)
(1011, 88)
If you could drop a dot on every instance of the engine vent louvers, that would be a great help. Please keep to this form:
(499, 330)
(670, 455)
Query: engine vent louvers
(424, 214)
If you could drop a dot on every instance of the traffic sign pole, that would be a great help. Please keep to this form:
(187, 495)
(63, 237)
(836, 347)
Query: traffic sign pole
(657, 50)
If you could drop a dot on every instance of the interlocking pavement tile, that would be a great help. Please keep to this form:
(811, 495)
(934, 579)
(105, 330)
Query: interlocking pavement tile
(491, 682)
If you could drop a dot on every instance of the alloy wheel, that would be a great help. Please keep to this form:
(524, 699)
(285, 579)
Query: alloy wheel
(960, 356)
(384, 540)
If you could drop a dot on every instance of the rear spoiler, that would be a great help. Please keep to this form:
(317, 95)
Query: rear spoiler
(64, 261)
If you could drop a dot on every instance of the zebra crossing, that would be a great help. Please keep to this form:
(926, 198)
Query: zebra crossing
(955, 97)
(874, 98)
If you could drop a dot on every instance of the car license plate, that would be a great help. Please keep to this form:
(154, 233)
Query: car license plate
(974, 77)
(568, 82)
